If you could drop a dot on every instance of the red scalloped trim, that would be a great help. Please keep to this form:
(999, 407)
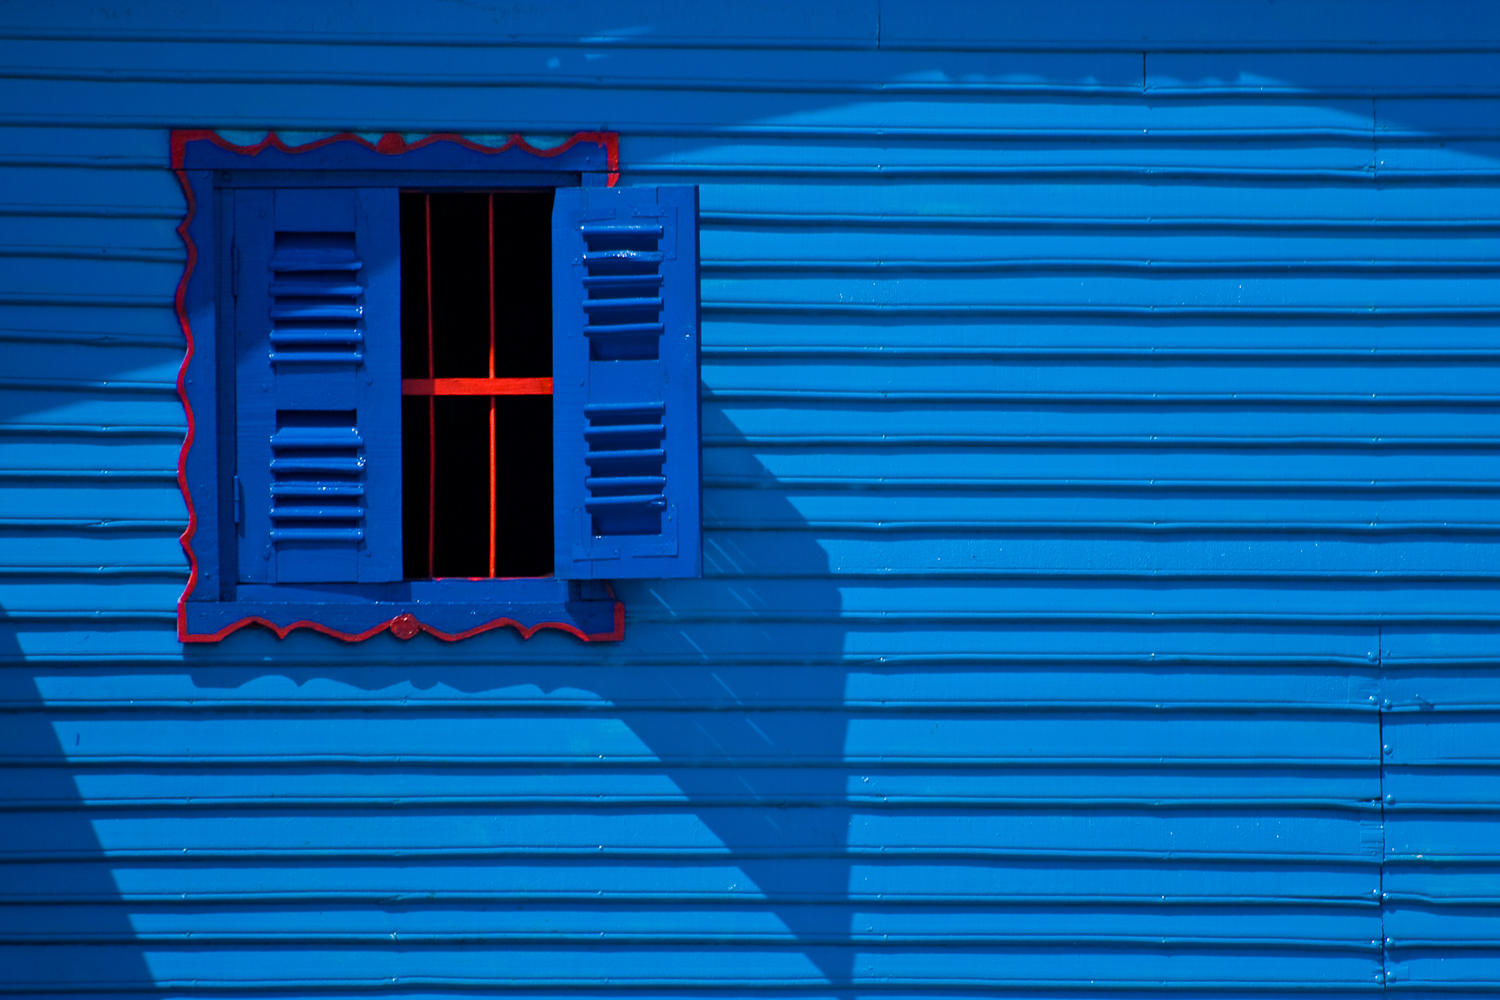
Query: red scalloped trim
(403, 626)
(390, 144)
(180, 302)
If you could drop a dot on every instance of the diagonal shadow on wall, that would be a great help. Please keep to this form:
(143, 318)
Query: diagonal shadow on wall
(63, 917)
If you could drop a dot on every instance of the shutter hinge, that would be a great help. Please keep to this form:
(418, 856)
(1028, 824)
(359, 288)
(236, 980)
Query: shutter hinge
(239, 501)
(234, 269)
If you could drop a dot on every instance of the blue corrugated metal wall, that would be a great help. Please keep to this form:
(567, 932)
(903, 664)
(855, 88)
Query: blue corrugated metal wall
(1101, 419)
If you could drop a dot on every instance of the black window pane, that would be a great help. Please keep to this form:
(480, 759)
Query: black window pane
(461, 285)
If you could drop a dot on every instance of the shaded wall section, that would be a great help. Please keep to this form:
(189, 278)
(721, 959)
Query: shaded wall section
(1099, 450)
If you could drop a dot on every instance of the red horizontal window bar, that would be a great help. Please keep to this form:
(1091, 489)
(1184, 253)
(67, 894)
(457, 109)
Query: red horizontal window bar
(476, 387)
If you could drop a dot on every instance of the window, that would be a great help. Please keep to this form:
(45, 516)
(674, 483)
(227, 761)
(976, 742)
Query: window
(433, 386)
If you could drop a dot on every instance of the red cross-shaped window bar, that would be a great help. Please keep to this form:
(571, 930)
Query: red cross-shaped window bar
(432, 387)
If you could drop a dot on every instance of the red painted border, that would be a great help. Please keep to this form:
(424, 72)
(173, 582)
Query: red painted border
(392, 144)
(180, 304)
(403, 626)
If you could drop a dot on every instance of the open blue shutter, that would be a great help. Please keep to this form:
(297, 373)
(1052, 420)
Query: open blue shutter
(625, 382)
(316, 282)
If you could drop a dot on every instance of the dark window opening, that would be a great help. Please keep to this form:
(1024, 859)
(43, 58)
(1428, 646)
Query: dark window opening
(476, 369)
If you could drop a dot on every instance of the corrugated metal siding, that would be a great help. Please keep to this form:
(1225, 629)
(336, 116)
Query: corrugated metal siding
(1100, 523)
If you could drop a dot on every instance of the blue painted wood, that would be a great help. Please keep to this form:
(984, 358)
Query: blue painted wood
(625, 391)
(1099, 440)
(315, 276)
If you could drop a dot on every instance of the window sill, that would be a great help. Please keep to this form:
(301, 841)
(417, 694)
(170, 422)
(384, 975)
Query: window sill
(447, 609)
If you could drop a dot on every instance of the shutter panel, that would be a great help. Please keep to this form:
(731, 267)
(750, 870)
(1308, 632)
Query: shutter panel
(316, 279)
(625, 382)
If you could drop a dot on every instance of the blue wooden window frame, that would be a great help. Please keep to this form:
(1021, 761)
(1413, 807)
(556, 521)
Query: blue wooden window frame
(215, 602)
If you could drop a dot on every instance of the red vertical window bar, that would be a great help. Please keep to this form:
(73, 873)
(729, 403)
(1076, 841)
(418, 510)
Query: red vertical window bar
(494, 515)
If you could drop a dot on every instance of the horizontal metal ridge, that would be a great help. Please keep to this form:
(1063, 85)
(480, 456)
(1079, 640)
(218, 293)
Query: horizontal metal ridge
(86, 385)
(1099, 265)
(1080, 484)
(1059, 398)
(90, 474)
(737, 895)
(629, 39)
(792, 701)
(53, 252)
(85, 299)
(76, 211)
(1461, 808)
(955, 943)
(94, 430)
(907, 619)
(89, 571)
(731, 657)
(1290, 575)
(647, 759)
(1226, 311)
(1123, 441)
(93, 524)
(939, 352)
(686, 854)
(1360, 176)
(885, 134)
(803, 85)
(940, 805)
(1092, 525)
(91, 616)
(173, 342)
